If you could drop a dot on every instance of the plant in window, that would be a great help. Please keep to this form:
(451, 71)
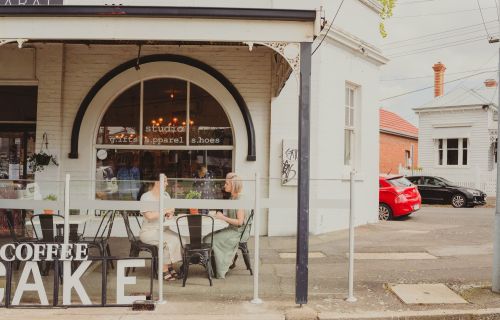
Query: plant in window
(192, 194)
(50, 197)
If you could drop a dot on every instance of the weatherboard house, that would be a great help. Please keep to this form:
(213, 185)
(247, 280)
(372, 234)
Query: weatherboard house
(458, 134)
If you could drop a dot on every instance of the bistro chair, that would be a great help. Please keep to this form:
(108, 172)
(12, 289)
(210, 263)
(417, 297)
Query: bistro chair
(9, 218)
(196, 251)
(243, 247)
(137, 246)
(100, 240)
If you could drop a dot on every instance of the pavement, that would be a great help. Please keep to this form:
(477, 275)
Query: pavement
(443, 250)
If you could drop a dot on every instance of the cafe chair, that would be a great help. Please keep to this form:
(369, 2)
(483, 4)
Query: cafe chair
(100, 240)
(196, 251)
(243, 247)
(137, 246)
(16, 240)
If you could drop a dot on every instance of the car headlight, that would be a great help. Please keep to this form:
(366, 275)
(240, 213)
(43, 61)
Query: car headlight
(476, 193)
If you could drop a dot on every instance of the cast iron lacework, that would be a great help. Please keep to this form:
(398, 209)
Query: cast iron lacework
(19, 42)
(288, 50)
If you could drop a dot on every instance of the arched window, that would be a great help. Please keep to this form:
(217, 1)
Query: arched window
(161, 125)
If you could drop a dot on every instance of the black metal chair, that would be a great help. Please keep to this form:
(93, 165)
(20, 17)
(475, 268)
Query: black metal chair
(100, 240)
(196, 251)
(137, 246)
(243, 247)
(9, 217)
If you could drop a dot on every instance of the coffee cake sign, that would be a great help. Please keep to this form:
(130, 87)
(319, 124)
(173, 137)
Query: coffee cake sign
(31, 2)
(33, 253)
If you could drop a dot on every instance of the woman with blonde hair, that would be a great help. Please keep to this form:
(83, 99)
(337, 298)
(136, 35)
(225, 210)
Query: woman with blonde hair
(225, 241)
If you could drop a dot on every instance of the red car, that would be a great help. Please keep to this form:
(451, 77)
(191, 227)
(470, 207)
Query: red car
(397, 197)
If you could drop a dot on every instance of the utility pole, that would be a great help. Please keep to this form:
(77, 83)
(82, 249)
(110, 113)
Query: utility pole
(496, 236)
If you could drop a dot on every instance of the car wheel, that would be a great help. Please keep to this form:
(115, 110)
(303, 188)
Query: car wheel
(384, 212)
(458, 201)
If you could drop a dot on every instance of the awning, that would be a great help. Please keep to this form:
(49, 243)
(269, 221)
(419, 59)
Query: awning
(451, 132)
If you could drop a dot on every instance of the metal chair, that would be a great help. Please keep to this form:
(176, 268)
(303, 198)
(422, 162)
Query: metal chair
(196, 251)
(9, 217)
(100, 240)
(243, 247)
(137, 246)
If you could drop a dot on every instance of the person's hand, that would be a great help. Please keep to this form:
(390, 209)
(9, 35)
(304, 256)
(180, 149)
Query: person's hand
(219, 215)
(169, 214)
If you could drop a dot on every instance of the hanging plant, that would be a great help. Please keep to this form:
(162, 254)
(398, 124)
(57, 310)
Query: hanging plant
(38, 161)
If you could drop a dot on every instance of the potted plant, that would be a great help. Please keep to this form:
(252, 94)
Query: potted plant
(38, 161)
(192, 194)
(51, 197)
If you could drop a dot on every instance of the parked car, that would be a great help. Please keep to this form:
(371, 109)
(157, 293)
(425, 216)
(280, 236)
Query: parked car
(397, 197)
(440, 190)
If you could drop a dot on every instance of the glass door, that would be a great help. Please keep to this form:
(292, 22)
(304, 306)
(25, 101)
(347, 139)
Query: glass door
(15, 147)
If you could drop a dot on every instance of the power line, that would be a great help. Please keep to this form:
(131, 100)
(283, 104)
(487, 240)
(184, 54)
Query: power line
(439, 14)
(436, 33)
(482, 17)
(430, 76)
(433, 48)
(429, 87)
(331, 24)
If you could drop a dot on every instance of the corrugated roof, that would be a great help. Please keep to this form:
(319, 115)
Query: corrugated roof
(389, 121)
(461, 97)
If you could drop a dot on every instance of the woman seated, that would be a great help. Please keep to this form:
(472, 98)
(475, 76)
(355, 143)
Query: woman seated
(150, 232)
(225, 241)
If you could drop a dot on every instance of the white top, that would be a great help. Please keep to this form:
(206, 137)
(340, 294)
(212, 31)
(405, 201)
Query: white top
(149, 225)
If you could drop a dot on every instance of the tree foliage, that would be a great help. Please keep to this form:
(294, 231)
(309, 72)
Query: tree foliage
(387, 7)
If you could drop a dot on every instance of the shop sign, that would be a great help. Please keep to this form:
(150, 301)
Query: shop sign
(289, 163)
(31, 2)
(168, 134)
(33, 253)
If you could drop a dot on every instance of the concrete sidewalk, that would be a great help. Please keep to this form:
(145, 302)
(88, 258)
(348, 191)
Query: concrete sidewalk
(437, 245)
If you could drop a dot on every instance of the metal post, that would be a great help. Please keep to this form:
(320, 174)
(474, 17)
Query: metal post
(496, 240)
(256, 234)
(301, 268)
(160, 240)
(66, 209)
(351, 297)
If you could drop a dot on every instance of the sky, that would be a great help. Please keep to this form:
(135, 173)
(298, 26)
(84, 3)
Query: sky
(424, 32)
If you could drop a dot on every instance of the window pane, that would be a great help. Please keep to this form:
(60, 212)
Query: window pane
(165, 105)
(464, 143)
(18, 103)
(209, 124)
(452, 157)
(346, 96)
(440, 157)
(452, 144)
(120, 124)
(347, 147)
(351, 117)
(347, 122)
(464, 157)
(351, 95)
(440, 143)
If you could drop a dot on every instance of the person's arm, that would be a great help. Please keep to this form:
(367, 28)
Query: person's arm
(240, 218)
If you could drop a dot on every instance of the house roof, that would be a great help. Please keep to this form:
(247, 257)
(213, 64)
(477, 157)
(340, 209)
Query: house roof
(392, 123)
(462, 97)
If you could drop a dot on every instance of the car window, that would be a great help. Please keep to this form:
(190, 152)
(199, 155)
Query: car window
(429, 181)
(414, 180)
(400, 182)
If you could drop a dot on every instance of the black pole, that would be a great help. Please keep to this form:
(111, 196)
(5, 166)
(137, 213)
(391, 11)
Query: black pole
(301, 272)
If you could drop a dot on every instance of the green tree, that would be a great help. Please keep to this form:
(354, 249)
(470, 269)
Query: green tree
(387, 7)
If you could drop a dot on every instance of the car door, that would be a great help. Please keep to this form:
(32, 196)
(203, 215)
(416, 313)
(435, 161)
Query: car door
(430, 190)
(445, 191)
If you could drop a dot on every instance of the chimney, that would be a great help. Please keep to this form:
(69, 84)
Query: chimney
(490, 83)
(439, 69)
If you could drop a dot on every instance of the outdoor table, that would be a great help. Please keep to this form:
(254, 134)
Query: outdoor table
(206, 226)
(73, 220)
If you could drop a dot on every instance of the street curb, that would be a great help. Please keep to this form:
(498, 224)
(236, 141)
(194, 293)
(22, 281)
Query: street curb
(451, 314)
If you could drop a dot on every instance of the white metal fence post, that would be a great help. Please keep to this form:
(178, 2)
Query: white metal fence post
(160, 239)
(256, 221)
(351, 297)
(66, 209)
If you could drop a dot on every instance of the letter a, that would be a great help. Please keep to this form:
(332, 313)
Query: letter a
(37, 285)
(73, 281)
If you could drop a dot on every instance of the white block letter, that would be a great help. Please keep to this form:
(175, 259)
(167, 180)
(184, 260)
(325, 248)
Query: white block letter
(73, 281)
(121, 280)
(37, 285)
(2, 274)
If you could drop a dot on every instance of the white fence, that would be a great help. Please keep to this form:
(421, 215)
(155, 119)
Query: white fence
(486, 182)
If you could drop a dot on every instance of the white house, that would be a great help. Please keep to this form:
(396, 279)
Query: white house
(458, 134)
(127, 92)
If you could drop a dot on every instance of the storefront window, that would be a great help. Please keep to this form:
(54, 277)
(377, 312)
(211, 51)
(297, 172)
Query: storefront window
(120, 124)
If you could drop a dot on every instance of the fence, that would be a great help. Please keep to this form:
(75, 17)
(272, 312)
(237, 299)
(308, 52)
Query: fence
(83, 202)
(485, 182)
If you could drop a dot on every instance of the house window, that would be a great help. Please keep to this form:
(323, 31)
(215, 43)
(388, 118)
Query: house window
(407, 159)
(349, 129)
(453, 152)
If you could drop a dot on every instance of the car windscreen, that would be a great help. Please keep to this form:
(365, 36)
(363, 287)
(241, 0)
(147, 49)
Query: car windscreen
(400, 182)
(448, 182)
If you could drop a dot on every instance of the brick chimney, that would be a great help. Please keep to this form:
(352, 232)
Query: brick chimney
(439, 69)
(490, 83)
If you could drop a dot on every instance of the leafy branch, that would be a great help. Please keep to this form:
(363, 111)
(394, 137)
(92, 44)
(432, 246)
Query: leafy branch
(386, 13)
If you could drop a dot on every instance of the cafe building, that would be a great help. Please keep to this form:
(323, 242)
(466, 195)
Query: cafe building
(120, 94)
